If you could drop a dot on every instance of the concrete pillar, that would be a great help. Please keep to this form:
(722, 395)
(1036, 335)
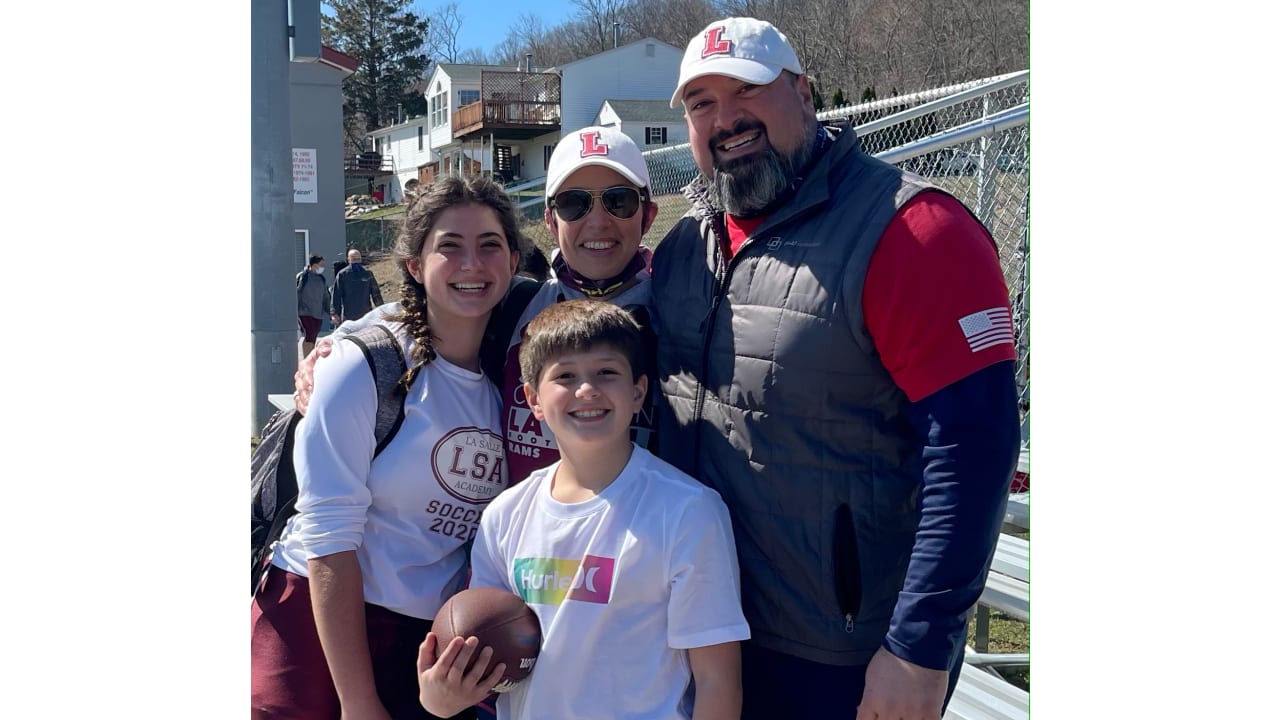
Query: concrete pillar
(274, 316)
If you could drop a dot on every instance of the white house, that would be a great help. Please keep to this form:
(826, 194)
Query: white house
(642, 70)
(405, 145)
(519, 114)
(650, 123)
(506, 121)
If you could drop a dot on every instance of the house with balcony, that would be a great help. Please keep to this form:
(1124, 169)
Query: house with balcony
(401, 153)
(506, 120)
(366, 170)
(492, 119)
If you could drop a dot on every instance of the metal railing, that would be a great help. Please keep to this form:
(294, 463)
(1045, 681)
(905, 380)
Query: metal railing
(511, 98)
(369, 162)
(512, 112)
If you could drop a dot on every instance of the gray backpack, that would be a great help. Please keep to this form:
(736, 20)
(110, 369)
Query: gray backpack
(274, 483)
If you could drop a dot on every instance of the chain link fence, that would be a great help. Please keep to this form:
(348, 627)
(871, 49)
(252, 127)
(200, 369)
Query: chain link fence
(373, 236)
(970, 139)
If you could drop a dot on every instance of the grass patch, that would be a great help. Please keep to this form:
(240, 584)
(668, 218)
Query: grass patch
(381, 212)
(1007, 635)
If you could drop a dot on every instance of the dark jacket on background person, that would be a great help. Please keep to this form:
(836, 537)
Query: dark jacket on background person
(355, 292)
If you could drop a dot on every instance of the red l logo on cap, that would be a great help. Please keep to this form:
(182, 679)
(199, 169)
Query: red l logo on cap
(716, 44)
(591, 144)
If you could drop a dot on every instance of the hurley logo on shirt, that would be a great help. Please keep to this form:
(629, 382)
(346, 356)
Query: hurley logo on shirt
(551, 581)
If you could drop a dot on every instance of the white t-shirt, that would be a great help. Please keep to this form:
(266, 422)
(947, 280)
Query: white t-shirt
(408, 514)
(623, 585)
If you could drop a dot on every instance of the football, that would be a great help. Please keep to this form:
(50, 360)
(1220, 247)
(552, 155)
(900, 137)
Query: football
(500, 620)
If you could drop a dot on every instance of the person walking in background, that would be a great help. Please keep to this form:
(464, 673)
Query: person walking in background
(378, 545)
(313, 301)
(355, 290)
(836, 359)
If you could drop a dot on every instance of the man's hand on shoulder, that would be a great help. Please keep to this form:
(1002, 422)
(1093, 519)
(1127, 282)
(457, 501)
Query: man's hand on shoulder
(896, 688)
(304, 378)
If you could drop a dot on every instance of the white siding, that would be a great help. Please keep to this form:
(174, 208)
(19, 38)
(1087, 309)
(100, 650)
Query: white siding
(401, 145)
(625, 72)
(677, 132)
(443, 134)
(608, 117)
(532, 155)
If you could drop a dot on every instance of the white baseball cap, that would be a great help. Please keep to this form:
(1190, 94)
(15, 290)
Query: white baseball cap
(596, 145)
(747, 49)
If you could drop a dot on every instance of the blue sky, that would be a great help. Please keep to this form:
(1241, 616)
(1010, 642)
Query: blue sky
(485, 23)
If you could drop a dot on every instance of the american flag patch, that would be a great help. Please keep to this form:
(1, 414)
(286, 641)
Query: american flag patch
(986, 328)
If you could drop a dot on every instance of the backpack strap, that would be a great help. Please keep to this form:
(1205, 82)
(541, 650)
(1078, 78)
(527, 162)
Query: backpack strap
(275, 496)
(386, 360)
(502, 324)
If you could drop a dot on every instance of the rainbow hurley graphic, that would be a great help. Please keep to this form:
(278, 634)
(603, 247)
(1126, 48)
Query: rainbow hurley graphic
(551, 581)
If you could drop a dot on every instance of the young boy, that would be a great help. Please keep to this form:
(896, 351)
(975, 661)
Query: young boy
(628, 562)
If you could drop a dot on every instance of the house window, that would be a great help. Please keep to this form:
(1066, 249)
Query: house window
(439, 110)
(655, 136)
(546, 155)
(419, 137)
(649, 50)
(466, 97)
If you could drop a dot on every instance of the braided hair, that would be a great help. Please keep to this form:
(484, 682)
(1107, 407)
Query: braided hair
(425, 208)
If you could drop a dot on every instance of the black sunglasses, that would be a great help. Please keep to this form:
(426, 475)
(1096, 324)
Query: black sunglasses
(621, 202)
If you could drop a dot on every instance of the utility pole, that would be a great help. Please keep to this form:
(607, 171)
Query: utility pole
(274, 314)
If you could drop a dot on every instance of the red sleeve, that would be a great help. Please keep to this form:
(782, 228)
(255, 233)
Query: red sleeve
(935, 300)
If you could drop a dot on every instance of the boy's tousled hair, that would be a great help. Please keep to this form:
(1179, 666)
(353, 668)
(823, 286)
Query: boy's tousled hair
(577, 326)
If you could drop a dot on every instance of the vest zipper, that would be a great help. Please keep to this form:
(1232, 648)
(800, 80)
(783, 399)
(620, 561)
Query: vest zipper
(848, 568)
(708, 323)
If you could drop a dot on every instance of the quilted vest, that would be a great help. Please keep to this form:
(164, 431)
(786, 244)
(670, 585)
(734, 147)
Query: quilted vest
(774, 396)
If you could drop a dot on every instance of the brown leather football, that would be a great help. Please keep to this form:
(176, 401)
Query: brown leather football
(500, 620)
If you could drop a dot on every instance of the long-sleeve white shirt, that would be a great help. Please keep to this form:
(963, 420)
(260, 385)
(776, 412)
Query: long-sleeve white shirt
(408, 512)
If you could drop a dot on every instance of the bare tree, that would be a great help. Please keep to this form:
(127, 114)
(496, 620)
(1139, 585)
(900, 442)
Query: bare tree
(889, 45)
(597, 18)
(442, 33)
(475, 56)
(527, 35)
(672, 21)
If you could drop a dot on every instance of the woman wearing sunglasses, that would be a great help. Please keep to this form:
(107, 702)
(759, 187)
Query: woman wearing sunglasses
(598, 208)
